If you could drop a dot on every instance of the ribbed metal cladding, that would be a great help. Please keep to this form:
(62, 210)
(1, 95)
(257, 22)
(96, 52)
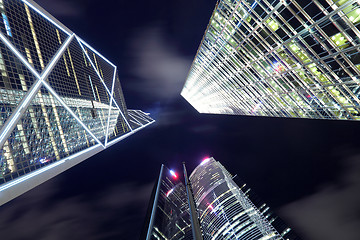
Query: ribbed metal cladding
(224, 210)
(279, 58)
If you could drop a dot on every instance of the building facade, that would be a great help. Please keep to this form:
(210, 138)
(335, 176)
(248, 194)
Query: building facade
(61, 101)
(279, 58)
(170, 218)
(224, 210)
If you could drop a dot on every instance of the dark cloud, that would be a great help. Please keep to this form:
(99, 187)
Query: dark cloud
(61, 8)
(111, 214)
(334, 211)
(160, 67)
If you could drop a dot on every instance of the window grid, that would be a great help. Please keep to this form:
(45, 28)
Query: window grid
(47, 131)
(284, 59)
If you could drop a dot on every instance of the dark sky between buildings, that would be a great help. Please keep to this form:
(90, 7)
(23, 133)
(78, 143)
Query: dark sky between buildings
(307, 170)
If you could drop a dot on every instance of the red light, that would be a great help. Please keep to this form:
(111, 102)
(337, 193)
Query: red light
(173, 174)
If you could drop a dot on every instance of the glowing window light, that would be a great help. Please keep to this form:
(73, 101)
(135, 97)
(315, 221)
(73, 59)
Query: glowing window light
(51, 90)
(173, 174)
(17, 53)
(35, 89)
(44, 169)
(80, 41)
(169, 192)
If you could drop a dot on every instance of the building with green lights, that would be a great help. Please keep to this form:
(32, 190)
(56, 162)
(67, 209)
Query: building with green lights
(279, 58)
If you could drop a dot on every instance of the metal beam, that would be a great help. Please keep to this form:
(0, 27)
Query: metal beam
(195, 223)
(152, 218)
(102, 80)
(110, 105)
(25, 102)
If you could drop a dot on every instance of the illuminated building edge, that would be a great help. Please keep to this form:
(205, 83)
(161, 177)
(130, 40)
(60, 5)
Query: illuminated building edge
(46, 125)
(224, 210)
(279, 58)
(23, 184)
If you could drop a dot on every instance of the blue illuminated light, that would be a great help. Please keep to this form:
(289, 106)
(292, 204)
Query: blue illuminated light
(44, 160)
(7, 25)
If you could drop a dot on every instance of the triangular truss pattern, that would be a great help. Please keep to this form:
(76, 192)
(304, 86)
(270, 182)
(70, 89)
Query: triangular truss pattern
(14, 86)
(34, 36)
(138, 118)
(119, 96)
(88, 90)
(117, 126)
(59, 96)
(104, 68)
(46, 133)
(110, 91)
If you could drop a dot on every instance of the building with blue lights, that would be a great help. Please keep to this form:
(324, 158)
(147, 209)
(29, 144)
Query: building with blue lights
(60, 100)
(279, 58)
(223, 209)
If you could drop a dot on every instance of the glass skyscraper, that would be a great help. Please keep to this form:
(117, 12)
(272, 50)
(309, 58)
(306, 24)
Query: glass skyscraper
(169, 217)
(279, 58)
(60, 100)
(224, 210)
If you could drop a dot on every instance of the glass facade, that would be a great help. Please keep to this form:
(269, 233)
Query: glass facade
(58, 96)
(225, 210)
(171, 215)
(279, 58)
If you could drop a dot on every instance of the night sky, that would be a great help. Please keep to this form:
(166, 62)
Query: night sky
(308, 171)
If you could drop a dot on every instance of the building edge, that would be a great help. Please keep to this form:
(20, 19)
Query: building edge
(21, 185)
(46, 14)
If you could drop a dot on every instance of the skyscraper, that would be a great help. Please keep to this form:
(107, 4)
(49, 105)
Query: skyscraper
(223, 209)
(279, 58)
(169, 213)
(61, 101)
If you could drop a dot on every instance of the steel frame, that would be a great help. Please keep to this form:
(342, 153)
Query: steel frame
(213, 66)
(6, 193)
